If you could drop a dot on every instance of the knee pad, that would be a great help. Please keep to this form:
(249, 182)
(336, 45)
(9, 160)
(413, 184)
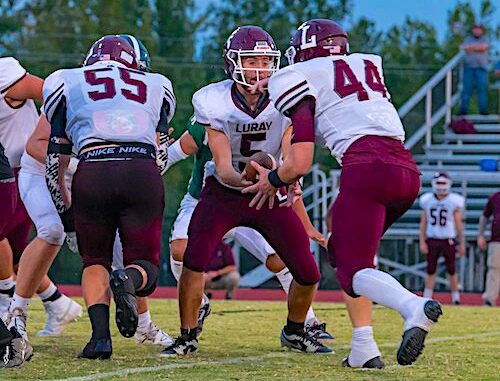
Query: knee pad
(52, 233)
(152, 272)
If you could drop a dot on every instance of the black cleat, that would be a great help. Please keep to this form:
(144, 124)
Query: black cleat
(15, 352)
(182, 346)
(413, 341)
(319, 332)
(203, 313)
(97, 350)
(123, 290)
(302, 342)
(374, 363)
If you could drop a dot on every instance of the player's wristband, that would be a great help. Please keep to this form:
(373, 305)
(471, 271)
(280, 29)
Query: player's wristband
(275, 180)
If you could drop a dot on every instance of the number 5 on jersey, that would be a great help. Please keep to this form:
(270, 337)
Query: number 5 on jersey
(93, 78)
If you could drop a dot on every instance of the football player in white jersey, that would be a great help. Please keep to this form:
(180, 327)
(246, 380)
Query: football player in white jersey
(117, 118)
(18, 116)
(194, 142)
(41, 252)
(440, 225)
(342, 99)
(238, 124)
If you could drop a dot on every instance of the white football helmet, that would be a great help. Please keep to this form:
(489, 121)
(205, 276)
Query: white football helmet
(441, 183)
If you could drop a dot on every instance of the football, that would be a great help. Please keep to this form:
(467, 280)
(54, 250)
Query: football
(262, 158)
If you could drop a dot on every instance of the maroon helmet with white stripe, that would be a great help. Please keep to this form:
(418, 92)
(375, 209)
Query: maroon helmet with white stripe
(317, 38)
(441, 183)
(112, 48)
(249, 41)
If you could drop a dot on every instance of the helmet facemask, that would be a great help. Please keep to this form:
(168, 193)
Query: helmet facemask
(441, 185)
(236, 58)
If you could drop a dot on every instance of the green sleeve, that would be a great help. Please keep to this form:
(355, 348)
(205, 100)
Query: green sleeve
(197, 131)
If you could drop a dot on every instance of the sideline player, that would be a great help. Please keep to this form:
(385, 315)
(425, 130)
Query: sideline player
(117, 118)
(342, 99)
(440, 225)
(194, 142)
(238, 125)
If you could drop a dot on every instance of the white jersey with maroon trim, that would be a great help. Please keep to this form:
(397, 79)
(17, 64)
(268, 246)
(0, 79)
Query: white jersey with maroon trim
(220, 107)
(440, 221)
(351, 98)
(17, 121)
(108, 103)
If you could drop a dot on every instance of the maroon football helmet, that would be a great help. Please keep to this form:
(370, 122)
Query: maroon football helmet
(317, 38)
(112, 48)
(249, 41)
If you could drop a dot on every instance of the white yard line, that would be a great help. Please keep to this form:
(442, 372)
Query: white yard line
(244, 359)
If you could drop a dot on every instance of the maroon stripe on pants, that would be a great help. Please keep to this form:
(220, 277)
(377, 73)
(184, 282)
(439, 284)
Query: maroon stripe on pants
(374, 193)
(126, 195)
(221, 209)
(438, 247)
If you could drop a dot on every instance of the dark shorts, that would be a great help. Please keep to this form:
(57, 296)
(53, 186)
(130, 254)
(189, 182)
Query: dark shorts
(220, 209)
(446, 248)
(376, 187)
(125, 195)
(15, 223)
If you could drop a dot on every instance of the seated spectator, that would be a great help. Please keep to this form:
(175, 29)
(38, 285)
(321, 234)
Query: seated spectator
(475, 70)
(222, 273)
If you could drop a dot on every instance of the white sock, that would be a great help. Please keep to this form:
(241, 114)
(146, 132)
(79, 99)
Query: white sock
(48, 292)
(428, 293)
(144, 321)
(7, 284)
(176, 267)
(363, 346)
(383, 289)
(18, 302)
(455, 296)
(285, 278)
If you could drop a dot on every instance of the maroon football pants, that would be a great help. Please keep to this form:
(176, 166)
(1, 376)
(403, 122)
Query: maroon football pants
(372, 197)
(126, 195)
(15, 223)
(220, 209)
(438, 247)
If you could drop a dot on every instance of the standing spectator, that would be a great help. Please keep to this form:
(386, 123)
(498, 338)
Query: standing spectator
(475, 69)
(492, 209)
(222, 273)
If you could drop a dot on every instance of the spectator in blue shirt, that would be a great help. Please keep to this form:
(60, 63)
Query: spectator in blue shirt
(475, 70)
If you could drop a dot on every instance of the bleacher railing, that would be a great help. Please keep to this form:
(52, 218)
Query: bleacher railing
(452, 95)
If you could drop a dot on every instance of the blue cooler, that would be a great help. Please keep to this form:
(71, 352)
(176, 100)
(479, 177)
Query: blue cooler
(488, 165)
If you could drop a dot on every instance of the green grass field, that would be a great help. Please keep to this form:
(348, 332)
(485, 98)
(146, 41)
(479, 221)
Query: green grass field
(241, 342)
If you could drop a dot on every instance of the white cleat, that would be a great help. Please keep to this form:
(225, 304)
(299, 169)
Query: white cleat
(17, 319)
(60, 313)
(153, 336)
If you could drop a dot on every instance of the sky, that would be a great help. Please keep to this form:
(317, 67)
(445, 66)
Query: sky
(386, 13)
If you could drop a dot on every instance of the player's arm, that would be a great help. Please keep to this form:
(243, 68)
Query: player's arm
(311, 231)
(221, 151)
(37, 143)
(188, 144)
(297, 162)
(459, 226)
(28, 87)
(424, 249)
(167, 111)
(58, 157)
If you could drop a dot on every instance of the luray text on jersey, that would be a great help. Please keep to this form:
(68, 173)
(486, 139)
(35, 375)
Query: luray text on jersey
(253, 127)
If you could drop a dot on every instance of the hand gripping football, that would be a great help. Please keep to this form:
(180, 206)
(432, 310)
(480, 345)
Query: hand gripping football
(262, 158)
